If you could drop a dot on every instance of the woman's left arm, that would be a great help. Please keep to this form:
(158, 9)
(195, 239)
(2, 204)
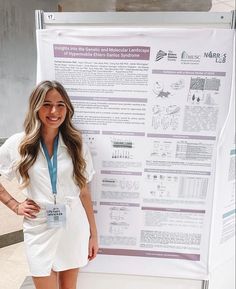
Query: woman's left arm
(85, 198)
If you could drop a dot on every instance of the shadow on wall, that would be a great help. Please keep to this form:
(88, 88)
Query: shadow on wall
(134, 5)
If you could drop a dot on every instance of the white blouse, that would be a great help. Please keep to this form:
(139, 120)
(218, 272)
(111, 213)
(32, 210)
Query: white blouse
(39, 188)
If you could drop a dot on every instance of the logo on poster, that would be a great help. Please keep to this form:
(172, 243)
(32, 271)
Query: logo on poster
(219, 57)
(171, 56)
(160, 55)
(189, 58)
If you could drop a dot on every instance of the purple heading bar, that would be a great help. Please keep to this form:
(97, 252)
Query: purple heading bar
(174, 210)
(189, 72)
(102, 52)
(153, 254)
(125, 173)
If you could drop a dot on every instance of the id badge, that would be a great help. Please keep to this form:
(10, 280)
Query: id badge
(56, 215)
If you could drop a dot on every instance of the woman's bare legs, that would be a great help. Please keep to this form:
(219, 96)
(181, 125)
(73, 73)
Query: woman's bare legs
(68, 279)
(48, 282)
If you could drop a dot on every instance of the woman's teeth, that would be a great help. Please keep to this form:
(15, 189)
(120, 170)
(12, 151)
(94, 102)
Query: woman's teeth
(53, 118)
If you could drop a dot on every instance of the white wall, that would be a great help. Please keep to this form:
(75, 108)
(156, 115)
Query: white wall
(135, 5)
(17, 59)
(17, 78)
(9, 221)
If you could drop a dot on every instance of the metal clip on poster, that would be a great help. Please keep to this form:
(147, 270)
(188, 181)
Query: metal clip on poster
(204, 96)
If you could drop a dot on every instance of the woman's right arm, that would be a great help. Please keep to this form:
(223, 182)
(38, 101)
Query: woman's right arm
(28, 208)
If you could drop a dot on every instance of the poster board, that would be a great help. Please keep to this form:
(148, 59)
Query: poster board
(223, 219)
(61, 47)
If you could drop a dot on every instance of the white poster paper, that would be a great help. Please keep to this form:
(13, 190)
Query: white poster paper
(150, 104)
(223, 222)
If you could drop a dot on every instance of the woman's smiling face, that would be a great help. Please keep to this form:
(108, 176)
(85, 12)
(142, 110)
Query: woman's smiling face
(53, 111)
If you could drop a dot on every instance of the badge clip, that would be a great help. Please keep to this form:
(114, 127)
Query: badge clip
(55, 198)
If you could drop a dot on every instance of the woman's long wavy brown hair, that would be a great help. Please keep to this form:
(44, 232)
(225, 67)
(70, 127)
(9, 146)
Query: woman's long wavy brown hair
(29, 146)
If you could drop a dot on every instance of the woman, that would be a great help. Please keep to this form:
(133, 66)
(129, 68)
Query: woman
(54, 167)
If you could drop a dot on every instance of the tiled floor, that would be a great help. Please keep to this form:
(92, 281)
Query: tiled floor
(13, 266)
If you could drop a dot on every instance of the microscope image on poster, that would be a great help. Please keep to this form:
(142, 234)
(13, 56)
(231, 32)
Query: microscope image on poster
(203, 91)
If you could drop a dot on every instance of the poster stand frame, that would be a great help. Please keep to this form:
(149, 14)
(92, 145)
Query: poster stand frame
(225, 20)
(145, 19)
(205, 284)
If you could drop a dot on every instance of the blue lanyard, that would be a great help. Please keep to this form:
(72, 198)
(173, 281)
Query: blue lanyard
(52, 165)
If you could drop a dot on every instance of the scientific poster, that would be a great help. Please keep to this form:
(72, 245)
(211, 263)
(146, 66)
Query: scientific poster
(151, 104)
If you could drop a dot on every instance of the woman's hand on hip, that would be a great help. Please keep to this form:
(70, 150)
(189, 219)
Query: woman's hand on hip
(28, 208)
